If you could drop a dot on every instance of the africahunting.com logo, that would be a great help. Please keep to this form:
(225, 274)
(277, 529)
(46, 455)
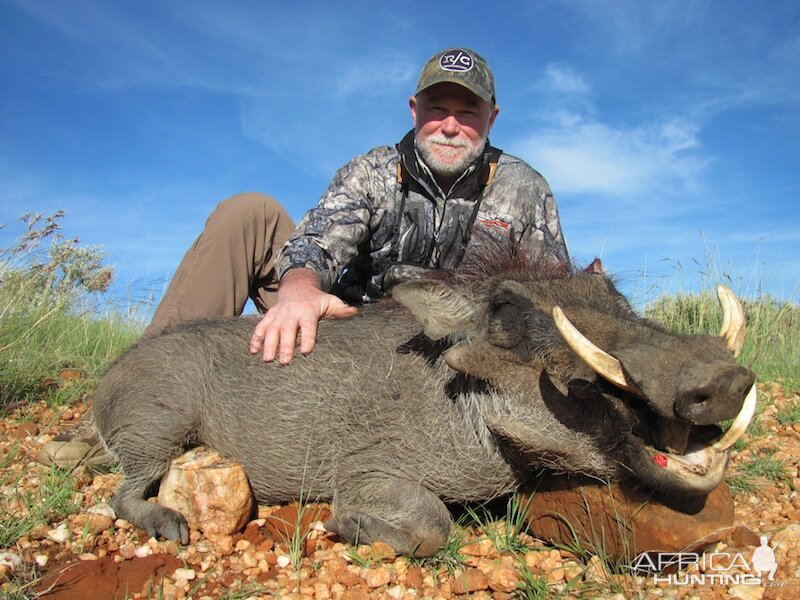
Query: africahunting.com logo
(712, 568)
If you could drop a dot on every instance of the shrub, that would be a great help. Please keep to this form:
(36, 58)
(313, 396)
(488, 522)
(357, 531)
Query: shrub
(49, 289)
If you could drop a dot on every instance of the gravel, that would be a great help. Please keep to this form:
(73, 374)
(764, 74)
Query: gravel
(89, 547)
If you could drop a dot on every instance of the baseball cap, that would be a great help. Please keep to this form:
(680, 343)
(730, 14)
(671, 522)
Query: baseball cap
(461, 66)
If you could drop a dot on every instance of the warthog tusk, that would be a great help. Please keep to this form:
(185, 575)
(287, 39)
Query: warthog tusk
(733, 321)
(740, 423)
(600, 361)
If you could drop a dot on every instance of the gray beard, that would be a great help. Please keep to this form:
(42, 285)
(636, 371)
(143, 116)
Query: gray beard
(448, 168)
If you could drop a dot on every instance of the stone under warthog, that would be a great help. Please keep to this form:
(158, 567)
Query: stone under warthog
(454, 390)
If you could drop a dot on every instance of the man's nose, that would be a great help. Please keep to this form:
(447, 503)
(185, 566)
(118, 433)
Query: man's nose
(451, 126)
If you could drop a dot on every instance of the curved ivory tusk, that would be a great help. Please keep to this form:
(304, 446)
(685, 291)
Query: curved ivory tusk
(733, 321)
(600, 361)
(740, 423)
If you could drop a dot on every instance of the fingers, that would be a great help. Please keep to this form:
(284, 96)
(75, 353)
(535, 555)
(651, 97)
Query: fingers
(259, 333)
(266, 336)
(337, 309)
(272, 341)
(308, 335)
(276, 334)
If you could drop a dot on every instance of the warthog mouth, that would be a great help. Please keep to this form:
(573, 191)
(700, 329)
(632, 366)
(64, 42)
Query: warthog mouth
(700, 463)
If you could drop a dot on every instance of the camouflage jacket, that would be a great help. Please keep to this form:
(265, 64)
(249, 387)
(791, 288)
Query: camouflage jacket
(352, 237)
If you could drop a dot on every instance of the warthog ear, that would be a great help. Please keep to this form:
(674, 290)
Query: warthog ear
(440, 309)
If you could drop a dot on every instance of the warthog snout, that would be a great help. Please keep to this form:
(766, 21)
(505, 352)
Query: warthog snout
(710, 403)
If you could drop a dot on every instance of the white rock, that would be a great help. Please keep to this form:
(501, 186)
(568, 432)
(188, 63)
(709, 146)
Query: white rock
(210, 491)
(102, 509)
(318, 526)
(143, 551)
(11, 560)
(41, 560)
(61, 534)
(185, 574)
(284, 561)
(747, 592)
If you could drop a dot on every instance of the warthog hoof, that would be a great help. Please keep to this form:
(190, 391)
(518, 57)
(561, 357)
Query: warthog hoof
(157, 520)
(163, 521)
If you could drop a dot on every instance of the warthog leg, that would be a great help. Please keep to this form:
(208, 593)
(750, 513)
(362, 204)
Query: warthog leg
(401, 513)
(145, 448)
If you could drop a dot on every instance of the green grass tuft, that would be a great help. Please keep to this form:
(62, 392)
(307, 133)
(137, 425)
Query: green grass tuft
(55, 497)
(49, 315)
(789, 414)
(504, 533)
(532, 587)
(760, 466)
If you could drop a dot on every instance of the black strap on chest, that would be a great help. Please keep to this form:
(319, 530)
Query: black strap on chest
(402, 188)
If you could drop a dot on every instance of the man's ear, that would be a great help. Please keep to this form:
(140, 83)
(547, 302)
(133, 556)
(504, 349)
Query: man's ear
(412, 104)
(493, 116)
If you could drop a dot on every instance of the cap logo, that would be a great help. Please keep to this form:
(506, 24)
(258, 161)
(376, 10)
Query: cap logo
(456, 60)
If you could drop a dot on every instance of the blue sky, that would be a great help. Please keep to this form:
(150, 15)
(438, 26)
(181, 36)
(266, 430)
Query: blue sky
(669, 131)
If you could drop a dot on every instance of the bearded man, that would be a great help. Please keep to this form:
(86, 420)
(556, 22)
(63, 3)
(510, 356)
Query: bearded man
(387, 216)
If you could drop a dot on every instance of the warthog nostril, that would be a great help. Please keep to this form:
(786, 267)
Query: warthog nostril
(701, 398)
(704, 407)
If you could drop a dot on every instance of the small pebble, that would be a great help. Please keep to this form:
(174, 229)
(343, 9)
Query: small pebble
(11, 560)
(104, 509)
(61, 534)
(284, 561)
(187, 574)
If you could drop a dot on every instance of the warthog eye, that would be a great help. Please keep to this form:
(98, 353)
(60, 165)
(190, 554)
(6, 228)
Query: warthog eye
(506, 325)
(508, 307)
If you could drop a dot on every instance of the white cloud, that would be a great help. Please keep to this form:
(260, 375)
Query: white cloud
(561, 78)
(377, 76)
(581, 150)
(594, 157)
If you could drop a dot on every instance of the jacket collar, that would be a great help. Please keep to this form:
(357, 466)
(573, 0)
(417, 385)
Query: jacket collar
(468, 185)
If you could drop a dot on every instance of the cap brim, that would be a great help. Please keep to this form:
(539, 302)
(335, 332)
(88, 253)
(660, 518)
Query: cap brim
(445, 77)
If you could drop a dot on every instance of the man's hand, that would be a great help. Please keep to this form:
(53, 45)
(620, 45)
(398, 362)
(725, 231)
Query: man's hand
(301, 304)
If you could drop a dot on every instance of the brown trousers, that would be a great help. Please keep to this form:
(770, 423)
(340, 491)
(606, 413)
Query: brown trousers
(232, 260)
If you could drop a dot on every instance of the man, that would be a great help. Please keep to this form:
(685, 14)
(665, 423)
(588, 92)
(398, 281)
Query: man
(387, 216)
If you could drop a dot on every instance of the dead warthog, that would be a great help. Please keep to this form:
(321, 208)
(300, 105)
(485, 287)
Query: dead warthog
(455, 390)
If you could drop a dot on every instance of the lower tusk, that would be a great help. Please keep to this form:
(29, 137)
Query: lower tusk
(740, 423)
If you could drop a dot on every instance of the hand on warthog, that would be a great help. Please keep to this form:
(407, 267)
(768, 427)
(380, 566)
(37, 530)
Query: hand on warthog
(301, 304)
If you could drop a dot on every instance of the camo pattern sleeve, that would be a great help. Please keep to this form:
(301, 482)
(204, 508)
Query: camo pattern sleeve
(351, 214)
(520, 201)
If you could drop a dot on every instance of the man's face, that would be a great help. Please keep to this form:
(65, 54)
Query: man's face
(451, 125)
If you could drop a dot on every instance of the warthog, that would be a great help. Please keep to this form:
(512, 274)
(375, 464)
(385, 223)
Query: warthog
(454, 390)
